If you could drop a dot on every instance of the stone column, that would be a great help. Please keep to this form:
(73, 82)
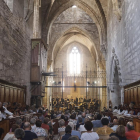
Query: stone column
(36, 23)
(122, 95)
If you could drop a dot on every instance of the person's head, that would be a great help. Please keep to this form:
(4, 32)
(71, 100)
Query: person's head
(113, 138)
(130, 126)
(27, 126)
(105, 121)
(72, 116)
(62, 116)
(71, 125)
(14, 127)
(86, 119)
(5, 104)
(46, 120)
(19, 133)
(38, 123)
(131, 112)
(73, 138)
(120, 131)
(35, 117)
(66, 118)
(99, 117)
(115, 107)
(68, 129)
(19, 122)
(83, 115)
(115, 121)
(121, 121)
(79, 113)
(40, 111)
(87, 111)
(32, 121)
(88, 125)
(61, 123)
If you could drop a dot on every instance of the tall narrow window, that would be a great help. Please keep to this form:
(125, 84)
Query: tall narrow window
(74, 61)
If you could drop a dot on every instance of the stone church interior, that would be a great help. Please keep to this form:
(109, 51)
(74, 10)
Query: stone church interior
(69, 70)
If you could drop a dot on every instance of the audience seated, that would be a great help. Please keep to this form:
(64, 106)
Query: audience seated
(121, 121)
(28, 134)
(131, 134)
(61, 126)
(89, 135)
(68, 133)
(45, 124)
(87, 113)
(82, 127)
(74, 132)
(19, 123)
(66, 120)
(79, 122)
(19, 133)
(72, 119)
(79, 115)
(40, 132)
(33, 124)
(121, 111)
(83, 117)
(115, 109)
(105, 130)
(125, 110)
(62, 116)
(115, 123)
(11, 134)
(41, 116)
(59, 114)
(35, 128)
(120, 133)
(97, 123)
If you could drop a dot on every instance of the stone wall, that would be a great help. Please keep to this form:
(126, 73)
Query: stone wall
(14, 49)
(124, 44)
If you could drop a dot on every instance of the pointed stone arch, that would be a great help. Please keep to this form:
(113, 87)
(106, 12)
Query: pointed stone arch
(69, 34)
(99, 17)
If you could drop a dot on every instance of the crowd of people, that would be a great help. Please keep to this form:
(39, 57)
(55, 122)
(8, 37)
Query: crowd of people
(74, 125)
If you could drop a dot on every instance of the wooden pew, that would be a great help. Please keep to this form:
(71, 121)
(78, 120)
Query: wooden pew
(136, 122)
(5, 125)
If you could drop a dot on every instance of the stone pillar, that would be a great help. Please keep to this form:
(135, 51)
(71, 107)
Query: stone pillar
(114, 98)
(122, 95)
(108, 96)
(36, 23)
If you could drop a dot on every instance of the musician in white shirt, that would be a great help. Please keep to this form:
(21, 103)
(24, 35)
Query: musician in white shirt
(115, 110)
(6, 111)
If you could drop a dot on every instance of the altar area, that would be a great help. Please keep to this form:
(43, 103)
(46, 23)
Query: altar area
(87, 85)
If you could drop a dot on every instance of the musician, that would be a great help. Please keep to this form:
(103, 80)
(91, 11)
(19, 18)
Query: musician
(62, 100)
(76, 101)
(57, 99)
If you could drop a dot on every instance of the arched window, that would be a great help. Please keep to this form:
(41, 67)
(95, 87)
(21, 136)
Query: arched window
(74, 61)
